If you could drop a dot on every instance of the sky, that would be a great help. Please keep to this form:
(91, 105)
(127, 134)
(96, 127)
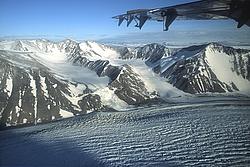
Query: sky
(92, 20)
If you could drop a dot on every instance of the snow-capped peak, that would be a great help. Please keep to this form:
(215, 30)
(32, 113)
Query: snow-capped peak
(229, 65)
(96, 51)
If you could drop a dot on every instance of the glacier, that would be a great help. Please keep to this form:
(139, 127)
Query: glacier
(193, 134)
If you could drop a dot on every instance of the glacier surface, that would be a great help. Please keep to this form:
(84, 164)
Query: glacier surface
(214, 133)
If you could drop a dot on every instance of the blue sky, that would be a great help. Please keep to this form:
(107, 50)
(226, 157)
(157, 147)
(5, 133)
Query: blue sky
(84, 20)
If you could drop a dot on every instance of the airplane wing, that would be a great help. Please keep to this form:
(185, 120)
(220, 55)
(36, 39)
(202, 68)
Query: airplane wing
(238, 10)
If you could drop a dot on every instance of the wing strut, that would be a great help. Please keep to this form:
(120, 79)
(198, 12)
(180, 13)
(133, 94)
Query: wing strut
(130, 19)
(168, 17)
(239, 11)
(121, 18)
(142, 19)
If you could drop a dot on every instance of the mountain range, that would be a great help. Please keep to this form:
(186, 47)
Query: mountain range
(42, 80)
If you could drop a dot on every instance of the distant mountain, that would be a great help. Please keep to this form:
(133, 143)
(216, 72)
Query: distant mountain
(42, 81)
(197, 69)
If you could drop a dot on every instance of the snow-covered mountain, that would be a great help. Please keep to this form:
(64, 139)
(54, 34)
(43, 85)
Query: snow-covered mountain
(41, 80)
(198, 69)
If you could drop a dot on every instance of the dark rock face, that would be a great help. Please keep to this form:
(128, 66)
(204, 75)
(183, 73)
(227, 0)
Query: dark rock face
(36, 96)
(187, 68)
(151, 53)
(90, 102)
(194, 75)
(11, 106)
(241, 59)
(187, 75)
(127, 84)
(129, 87)
(101, 67)
(29, 92)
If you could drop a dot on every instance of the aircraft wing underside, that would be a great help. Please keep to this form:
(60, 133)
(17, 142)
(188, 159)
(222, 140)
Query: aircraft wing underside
(199, 10)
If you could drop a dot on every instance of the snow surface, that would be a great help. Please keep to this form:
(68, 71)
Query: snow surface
(33, 87)
(79, 74)
(76, 93)
(65, 114)
(110, 99)
(153, 81)
(44, 86)
(222, 64)
(181, 55)
(55, 58)
(9, 84)
(97, 51)
(7, 45)
(162, 135)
